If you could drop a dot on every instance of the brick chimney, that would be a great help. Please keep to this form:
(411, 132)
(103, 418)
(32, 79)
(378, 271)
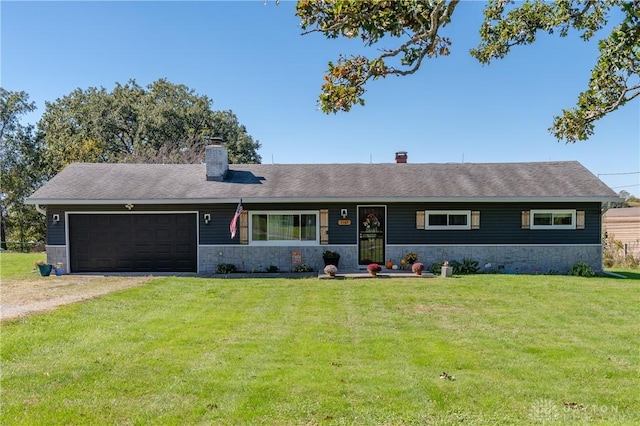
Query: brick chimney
(401, 157)
(217, 160)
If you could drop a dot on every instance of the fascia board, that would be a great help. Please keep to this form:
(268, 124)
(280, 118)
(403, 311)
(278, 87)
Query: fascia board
(272, 200)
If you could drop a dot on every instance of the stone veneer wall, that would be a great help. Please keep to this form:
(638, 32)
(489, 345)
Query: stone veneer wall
(57, 254)
(525, 259)
(258, 259)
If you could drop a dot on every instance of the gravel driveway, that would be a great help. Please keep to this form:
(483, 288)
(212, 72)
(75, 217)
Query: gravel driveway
(23, 297)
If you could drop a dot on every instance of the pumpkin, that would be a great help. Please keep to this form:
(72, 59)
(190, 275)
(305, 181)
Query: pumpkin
(389, 264)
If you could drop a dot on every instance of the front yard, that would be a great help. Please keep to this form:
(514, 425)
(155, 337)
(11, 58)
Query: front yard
(483, 349)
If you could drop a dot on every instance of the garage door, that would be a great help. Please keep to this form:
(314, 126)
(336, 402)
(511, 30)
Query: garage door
(133, 242)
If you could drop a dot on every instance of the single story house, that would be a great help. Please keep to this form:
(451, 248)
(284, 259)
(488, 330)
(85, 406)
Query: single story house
(532, 217)
(623, 225)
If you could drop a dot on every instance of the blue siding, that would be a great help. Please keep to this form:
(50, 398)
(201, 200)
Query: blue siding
(500, 223)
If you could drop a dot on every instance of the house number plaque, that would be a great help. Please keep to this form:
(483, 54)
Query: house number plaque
(344, 221)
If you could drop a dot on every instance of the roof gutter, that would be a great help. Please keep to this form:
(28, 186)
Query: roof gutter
(41, 210)
(271, 200)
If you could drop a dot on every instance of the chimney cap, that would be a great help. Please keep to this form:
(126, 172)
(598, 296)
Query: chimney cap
(401, 156)
(213, 140)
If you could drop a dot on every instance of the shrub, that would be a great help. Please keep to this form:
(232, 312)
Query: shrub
(417, 267)
(581, 269)
(303, 268)
(457, 267)
(468, 266)
(226, 268)
(618, 254)
(436, 268)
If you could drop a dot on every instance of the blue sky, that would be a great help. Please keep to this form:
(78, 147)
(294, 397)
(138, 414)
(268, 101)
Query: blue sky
(251, 58)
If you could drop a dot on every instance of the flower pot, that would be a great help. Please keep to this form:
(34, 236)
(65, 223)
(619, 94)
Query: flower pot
(59, 271)
(45, 270)
(418, 272)
(331, 261)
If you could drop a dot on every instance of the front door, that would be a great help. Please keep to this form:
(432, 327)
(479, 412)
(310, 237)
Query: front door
(371, 230)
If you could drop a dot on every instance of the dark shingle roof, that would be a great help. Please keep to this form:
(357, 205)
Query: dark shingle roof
(82, 183)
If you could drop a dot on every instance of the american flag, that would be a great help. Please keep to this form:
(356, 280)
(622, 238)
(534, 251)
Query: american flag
(233, 226)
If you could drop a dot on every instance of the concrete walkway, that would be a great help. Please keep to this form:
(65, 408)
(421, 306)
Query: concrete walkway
(385, 273)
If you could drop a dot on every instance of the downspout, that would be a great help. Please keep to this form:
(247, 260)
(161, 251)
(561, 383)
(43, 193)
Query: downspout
(41, 210)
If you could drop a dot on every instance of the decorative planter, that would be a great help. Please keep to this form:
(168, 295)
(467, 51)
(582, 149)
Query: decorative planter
(58, 271)
(447, 271)
(45, 270)
(418, 272)
(331, 261)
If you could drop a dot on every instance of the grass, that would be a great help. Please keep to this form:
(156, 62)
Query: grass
(522, 349)
(16, 266)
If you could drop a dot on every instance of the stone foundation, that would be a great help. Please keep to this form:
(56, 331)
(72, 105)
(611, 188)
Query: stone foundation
(259, 259)
(58, 254)
(525, 259)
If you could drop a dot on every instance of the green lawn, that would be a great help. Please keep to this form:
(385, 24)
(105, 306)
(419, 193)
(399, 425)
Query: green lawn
(522, 349)
(19, 265)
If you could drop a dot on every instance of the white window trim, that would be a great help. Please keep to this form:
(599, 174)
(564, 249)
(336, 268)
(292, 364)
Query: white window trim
(447, 227)
(285, 242)
(552, 226)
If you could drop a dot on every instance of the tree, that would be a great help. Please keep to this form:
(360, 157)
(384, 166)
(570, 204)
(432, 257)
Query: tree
(21, 171)
(164, 123)
(417, 25)
(629, 200)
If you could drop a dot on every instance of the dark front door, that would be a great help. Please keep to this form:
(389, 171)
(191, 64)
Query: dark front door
(371, 234)
(133, 242)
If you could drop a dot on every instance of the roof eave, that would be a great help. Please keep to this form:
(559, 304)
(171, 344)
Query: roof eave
(272, 200)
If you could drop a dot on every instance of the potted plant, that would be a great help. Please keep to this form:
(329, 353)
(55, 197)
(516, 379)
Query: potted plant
(59, 269)
(417, 268)
(411, 257)
(331, 270)
(373, 269)
(331, 257)
(44, 268)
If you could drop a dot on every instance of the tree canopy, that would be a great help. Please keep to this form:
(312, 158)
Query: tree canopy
(417, 25)
(164, 123)
(20, 170)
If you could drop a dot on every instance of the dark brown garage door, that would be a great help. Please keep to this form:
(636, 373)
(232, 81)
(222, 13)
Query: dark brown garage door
(133, 242)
